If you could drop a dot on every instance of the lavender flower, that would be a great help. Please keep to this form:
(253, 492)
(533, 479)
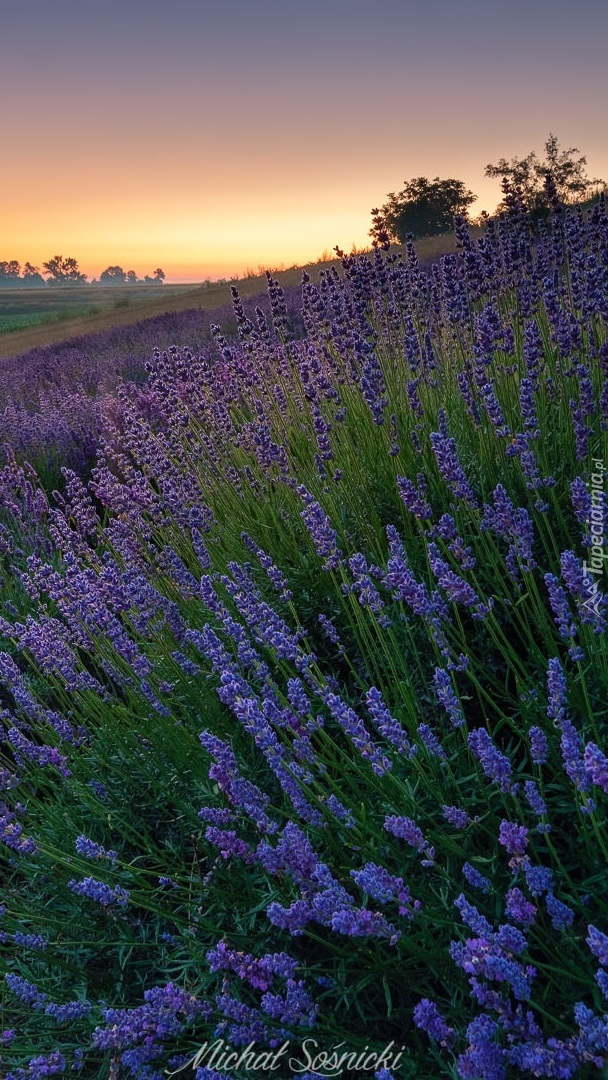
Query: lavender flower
(387, 725)
(444, 448)
(384, 887)
(432, 743)
(539, 879)
(357, 733)
(561, 608)
(513, 837)
(447, 697)
(323, 535)
(519, 909)
(100, 892)
(515, 526)
(456, 817)
(494, 763)
(25, 991)
(535, 799)
(556, 682)
(414, 497)
(259, 973)
(596, 765)
(91, 850)
(560, 914)
(476, 879)
(598, 943)
(539, 747)
(457, 589)
(428, 1018)
(407, 830)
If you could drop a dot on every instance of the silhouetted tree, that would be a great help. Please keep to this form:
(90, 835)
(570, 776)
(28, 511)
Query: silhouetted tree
(423, 208)
(113, 275)
(10, 273)
(32, 278)
(542, 184)
(157, 278)
(63, 271)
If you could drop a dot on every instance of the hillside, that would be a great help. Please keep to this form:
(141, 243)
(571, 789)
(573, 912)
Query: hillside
(127, 308)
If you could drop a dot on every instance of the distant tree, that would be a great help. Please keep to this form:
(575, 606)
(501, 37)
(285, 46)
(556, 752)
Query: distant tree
(32, 278)
(10, 274)
(541, 184)
(157, 278)
(63, 271)
(132, 277)
(423, 208)
(114, 275)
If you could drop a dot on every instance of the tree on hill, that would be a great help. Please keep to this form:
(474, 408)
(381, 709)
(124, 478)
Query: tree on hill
(423, 208)
(62, 271)
(543, 184)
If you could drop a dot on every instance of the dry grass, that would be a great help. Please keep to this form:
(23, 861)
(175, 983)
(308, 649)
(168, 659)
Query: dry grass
(167, 298)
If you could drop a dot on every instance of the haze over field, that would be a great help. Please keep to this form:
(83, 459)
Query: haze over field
(210, 138)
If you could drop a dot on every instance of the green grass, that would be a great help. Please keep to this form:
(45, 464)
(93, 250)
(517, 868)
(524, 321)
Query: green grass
(10, 323)
(24, 308)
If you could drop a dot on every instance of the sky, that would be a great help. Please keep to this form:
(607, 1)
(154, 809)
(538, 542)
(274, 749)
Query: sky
(213, 137)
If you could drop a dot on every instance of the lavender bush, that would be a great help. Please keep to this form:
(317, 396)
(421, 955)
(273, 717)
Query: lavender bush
(305, 729)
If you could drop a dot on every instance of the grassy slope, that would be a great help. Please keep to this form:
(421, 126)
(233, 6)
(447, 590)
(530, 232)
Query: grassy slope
(158, 301)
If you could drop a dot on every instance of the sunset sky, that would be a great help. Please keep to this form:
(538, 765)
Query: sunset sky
(212, 137)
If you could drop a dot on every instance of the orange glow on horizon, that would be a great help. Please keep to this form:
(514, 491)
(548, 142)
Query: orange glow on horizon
(189, 243)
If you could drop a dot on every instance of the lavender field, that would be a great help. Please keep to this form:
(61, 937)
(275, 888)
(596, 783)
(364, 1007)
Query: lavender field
(304, 755)
(53, 398)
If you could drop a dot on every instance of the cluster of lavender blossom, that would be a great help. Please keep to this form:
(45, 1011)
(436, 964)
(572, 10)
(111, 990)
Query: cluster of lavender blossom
(303, 695)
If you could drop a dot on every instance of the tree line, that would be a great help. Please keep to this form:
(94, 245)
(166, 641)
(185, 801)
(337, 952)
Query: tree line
(537, 185)
(63, 271)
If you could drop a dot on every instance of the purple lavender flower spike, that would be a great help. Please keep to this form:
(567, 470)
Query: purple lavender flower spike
(323, 535)
(100, 892)
(560, 914)
(387, 725)
(428, 1018)
(414, 498)
(444, 448)
(494, 763)
(447, 697)
(456, 817)
(535, 799)
(513, 837)
(519, 909)
(432, 743)
(475, 878)
(598, 943)
(556, 682)
(539, 747)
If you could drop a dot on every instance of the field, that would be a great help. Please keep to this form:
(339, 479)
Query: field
(34, 318)
(57, 312)
(304, 675)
